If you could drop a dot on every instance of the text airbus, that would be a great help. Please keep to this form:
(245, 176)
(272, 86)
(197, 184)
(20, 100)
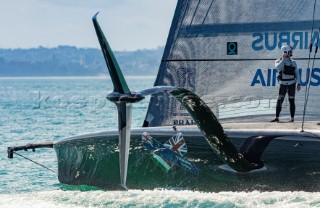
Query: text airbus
(267, 78)
(274, 40)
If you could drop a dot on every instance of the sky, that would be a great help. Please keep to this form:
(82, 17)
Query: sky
(128, 24)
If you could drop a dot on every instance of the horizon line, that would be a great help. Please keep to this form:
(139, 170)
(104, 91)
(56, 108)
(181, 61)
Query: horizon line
(77, 47)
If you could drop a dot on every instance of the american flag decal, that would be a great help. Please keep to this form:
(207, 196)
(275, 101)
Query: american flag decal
(177, 144)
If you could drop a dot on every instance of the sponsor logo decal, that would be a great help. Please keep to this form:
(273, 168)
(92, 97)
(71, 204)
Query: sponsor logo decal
(268, 78)
(274, 40)
(232, 48)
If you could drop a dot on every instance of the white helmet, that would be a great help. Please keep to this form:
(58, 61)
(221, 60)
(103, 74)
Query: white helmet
(287, 49)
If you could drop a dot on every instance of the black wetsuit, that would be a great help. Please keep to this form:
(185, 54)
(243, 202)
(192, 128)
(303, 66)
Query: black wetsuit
(291, 89)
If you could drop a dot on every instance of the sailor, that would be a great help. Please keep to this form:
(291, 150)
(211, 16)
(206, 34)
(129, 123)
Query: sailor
(289, 79)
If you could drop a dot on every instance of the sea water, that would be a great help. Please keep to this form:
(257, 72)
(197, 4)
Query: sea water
(34, 110)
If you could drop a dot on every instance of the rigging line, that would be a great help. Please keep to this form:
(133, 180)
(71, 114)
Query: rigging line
(205, 17)
(309, 84)
(306, 94)
(311, 44)
(195, 12)
(33, 161)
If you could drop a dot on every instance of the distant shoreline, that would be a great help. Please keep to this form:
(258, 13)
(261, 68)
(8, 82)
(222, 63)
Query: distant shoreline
(70, 61)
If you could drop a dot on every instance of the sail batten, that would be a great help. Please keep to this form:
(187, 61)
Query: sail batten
(204, 30)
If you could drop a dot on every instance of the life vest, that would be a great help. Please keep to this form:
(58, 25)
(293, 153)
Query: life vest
(287, 73)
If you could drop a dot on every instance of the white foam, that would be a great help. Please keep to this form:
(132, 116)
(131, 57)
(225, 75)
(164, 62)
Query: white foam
(159, 198)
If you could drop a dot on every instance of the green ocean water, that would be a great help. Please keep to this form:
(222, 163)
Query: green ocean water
(37, 110)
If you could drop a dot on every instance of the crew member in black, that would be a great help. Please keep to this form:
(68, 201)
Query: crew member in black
(289, 80)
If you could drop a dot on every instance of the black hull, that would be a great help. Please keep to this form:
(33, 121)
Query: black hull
(290, 164)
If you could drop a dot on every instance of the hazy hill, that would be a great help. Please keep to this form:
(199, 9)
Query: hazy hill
(72, 61)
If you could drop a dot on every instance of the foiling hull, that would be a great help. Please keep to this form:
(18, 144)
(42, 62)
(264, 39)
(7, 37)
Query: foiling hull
(291, 162)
